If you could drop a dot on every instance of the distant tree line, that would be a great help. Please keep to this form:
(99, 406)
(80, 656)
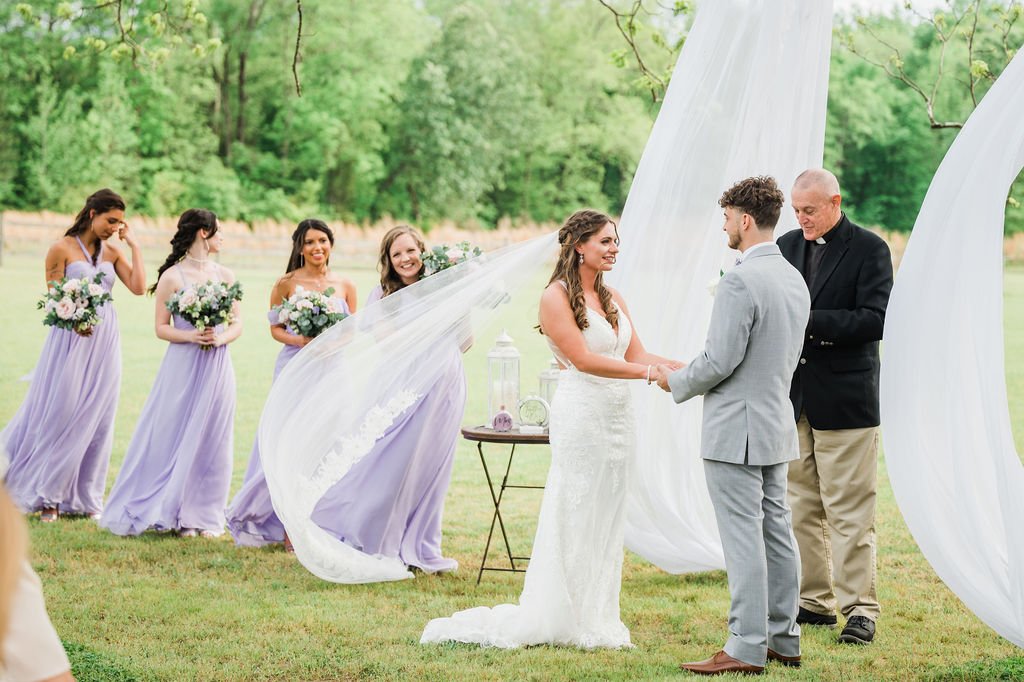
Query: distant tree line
(427, 110)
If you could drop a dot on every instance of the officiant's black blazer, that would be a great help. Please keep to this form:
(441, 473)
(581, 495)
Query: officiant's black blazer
(836, 380)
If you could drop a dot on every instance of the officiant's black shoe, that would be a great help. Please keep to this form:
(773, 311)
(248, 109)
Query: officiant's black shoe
(788, 661)
(858, 630)
(805, 617)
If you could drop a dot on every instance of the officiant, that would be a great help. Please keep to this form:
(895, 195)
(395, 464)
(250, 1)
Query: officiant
(848, 271)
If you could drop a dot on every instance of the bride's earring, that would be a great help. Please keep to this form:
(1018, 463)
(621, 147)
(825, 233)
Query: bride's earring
(581, 259)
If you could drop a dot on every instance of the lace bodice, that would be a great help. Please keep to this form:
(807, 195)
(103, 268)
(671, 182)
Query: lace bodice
(600, 337)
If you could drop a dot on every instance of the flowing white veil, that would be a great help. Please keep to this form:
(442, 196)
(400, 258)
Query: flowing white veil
(337, 397)
(948, 443)
(747, 98)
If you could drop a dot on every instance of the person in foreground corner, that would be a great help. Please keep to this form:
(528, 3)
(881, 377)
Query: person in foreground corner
(835, 402)
(748, 435)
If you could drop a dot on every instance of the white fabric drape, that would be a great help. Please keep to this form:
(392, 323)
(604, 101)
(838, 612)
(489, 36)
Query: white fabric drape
(747, 98)
(946, 425)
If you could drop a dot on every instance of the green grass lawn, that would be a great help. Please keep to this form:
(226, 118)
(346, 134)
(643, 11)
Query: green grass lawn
(164, 608)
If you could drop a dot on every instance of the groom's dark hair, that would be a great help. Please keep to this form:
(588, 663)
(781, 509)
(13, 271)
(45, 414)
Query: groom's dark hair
(759, 197)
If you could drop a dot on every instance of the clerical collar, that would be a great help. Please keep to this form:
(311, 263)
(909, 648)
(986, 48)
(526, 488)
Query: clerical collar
(828, 236)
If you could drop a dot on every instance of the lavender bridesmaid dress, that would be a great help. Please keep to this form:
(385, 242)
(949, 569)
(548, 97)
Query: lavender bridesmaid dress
(391, 502)
(251, 517)
(59, 440)
(177, 470)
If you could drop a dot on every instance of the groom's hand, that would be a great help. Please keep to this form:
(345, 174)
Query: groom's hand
(662, 372)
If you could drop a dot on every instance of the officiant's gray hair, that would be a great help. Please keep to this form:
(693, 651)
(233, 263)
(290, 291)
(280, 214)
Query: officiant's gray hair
(818, 178)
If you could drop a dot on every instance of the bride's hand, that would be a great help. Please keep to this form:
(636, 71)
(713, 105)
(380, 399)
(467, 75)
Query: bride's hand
(660, 375)
(674, 365)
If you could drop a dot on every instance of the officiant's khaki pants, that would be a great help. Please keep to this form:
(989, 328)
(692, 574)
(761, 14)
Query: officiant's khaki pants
(832, 494)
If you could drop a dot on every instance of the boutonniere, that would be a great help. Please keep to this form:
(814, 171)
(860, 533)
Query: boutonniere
(713, 282)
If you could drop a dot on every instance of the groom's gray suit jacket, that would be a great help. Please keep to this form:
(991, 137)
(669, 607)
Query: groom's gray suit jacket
(753, 346)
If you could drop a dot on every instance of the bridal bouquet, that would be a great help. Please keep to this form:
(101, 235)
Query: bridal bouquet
(443, 257)
(74, 304)
(205, 305)
(309, 313)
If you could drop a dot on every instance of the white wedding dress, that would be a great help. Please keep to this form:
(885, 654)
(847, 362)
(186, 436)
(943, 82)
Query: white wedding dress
(571, 591)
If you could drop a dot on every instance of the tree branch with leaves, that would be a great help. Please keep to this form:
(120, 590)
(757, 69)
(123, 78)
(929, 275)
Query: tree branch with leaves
(964, 28)
(147, 36)
(631, 20)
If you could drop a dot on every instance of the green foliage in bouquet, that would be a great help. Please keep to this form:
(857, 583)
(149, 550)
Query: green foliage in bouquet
(443, 257)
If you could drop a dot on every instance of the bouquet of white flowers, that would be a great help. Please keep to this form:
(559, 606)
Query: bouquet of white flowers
(308, 313)
(205, 305)
(74, 304)
(443, 257)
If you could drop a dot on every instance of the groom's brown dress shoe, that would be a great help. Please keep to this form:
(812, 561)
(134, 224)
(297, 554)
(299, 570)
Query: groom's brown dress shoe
(722, 663)
(790, 661)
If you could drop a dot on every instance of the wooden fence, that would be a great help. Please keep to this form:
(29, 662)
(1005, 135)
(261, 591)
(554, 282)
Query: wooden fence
(32, 232)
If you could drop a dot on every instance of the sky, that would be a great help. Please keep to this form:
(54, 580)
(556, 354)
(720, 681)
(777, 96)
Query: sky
(885, 5)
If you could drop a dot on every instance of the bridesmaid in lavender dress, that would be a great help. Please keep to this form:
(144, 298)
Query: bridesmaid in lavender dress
(177, 470)
(391, 502)
(251, 518)
(59, 440)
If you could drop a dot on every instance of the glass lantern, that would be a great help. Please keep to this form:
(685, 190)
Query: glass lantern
(503, 377)
(548, 380)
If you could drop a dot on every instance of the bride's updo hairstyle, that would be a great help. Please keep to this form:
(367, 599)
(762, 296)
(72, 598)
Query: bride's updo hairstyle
(578, 228)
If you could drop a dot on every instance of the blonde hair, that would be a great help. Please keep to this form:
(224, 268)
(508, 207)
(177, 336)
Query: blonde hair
(390, 281)
(13, 544)
(578, 228)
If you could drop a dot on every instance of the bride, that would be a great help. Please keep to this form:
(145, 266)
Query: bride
(571, 592)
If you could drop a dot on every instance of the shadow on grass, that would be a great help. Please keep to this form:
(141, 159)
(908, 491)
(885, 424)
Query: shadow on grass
(91, 666)
(653, 578)
(1011, 668)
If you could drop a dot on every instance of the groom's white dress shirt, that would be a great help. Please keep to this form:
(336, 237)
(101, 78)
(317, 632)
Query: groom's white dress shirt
(751, 249)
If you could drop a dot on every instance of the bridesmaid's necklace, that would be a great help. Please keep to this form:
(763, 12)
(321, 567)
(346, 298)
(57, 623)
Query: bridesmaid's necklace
(201, 261)
(319, 279)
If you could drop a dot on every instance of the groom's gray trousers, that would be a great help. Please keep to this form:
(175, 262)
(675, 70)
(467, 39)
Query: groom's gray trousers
(761, 558)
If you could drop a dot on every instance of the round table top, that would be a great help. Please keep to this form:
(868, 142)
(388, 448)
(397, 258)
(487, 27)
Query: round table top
(486, 434)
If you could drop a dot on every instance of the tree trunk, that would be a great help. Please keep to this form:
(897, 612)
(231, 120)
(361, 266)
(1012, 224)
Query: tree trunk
(224, 102)
(242, 97)
(414, 202)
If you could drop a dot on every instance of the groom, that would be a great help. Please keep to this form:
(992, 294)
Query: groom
(748, 436)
